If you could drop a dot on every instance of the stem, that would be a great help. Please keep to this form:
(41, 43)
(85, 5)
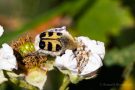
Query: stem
(19, 82)
(65, 83)
(23, 84)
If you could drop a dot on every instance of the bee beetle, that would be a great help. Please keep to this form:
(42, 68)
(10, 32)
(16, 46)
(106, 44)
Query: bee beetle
(54, 41)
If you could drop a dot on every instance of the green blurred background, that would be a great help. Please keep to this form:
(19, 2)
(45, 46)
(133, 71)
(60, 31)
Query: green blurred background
(110, 21)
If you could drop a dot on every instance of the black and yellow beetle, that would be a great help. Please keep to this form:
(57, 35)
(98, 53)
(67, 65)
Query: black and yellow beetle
(54, 41)
(50, 41)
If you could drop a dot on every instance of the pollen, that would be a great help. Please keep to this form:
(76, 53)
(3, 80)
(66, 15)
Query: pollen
(24, 45)
(34, 61)
(82, 56)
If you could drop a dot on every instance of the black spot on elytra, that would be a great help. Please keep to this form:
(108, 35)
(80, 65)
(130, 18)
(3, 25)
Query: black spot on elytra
(50, 34)
(59, 34)
(58, 47)
(42, 45)
(43, 34)
(49, 46)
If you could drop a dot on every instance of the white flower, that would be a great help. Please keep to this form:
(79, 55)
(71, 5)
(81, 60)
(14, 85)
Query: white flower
(7, 58)
(84, 61)
(36, 77)
(1, 30)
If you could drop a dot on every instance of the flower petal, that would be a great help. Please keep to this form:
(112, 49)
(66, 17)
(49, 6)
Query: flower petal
(93, 64)
(1, 30)
(97, 52)
(94, 46)
(66, 61)
(36, 77)
(7, 59)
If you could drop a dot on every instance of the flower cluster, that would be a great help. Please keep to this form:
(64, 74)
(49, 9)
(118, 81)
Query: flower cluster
(79, 59)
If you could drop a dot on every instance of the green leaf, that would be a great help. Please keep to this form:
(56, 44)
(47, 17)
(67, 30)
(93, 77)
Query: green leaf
(123, 57)
(78, 6)
(103, 18)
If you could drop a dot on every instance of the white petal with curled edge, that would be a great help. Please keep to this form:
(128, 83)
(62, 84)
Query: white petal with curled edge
(93, 64)
(7, 58)
(1, 30)
(66, 61)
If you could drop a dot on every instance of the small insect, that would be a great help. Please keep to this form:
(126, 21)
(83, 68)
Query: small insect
(54, 41)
